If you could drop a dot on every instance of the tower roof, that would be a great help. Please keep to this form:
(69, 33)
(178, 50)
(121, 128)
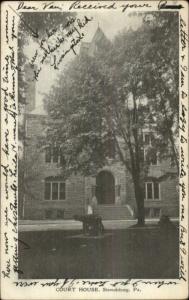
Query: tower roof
(99, 34)
(99, 39)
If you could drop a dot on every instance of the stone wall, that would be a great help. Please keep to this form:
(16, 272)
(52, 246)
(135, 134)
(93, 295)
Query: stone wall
(35, 204)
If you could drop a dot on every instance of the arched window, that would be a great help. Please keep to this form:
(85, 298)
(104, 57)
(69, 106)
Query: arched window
(55, 188)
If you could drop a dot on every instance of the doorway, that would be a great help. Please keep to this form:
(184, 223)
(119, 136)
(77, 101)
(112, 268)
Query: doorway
(105, 188)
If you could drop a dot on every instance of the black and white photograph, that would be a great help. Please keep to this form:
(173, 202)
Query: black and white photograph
(99, 167)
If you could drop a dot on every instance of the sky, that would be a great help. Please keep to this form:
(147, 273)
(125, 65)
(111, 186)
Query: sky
(110, 22)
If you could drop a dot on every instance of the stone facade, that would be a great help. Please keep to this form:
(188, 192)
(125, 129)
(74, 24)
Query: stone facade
(80, 191)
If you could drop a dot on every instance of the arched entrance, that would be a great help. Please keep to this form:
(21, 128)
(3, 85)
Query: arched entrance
(105, 188)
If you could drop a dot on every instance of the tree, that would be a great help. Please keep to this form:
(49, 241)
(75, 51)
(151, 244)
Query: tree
(91, 112)
(161, 82)
(105, 98)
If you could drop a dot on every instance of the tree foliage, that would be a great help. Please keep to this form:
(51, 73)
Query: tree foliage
(161, 82)
(41, 23)
(113, 95)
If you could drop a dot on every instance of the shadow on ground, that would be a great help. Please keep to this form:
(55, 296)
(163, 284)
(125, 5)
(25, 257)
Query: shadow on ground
(129, 253)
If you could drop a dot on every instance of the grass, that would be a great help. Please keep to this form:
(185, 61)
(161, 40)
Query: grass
(146, 252)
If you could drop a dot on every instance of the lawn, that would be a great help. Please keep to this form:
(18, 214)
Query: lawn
(130, 253)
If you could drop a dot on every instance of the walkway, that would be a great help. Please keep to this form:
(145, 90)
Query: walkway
(47, 225)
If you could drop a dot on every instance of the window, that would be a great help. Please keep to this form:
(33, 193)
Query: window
(147, 139)
(149, 190)
(150, 155)
(48, 214)
(60, 214)
(153, 159)
(156, 213)
(152, 190)
(54, 189)
(48, 155)
(152, 212)
(54, 213)
(53, 155)
(110, 146)
(156, 190)
(47, 190)
(61, 190)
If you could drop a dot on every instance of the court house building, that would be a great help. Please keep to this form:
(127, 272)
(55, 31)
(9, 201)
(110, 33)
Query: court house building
(110, 192)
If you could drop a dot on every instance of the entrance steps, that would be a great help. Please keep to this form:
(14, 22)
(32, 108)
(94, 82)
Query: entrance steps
(114, 212)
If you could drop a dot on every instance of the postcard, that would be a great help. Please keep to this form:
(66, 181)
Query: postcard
(94, 150)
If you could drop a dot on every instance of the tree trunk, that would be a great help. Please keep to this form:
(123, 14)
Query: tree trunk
(176, 159)
(139, 196)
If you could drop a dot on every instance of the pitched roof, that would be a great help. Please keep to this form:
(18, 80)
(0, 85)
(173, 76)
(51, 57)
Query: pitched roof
(99, 34)
(88, 47)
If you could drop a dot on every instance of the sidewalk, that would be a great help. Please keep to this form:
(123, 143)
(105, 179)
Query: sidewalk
(49, 225)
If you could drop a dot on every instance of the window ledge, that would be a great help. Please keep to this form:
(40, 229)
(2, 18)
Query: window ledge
(63, 200)
(153, 200)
